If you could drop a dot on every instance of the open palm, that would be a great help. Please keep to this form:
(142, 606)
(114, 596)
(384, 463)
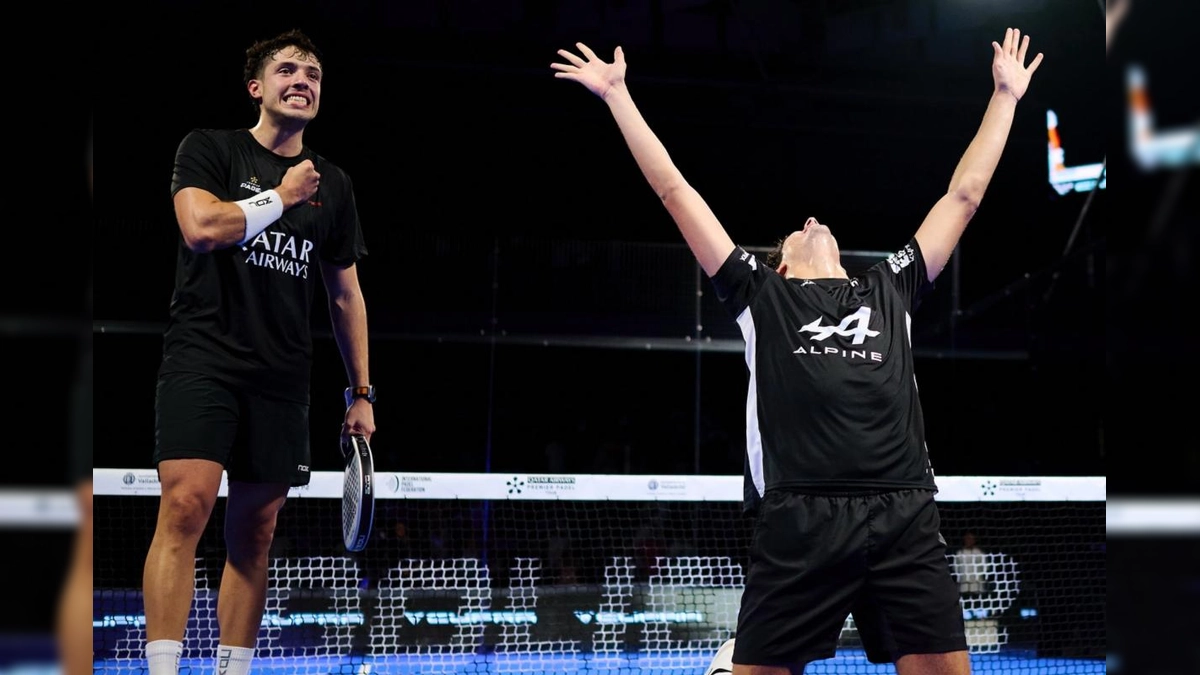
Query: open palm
(1008, 64)
(591, 71)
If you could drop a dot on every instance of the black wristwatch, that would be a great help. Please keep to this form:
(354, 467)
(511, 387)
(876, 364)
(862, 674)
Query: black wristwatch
(367, 392)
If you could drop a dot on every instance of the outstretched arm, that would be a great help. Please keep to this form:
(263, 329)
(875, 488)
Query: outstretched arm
(946, 221)
(703, 233)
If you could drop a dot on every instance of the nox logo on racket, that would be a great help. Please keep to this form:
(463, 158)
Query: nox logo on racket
(358, 499)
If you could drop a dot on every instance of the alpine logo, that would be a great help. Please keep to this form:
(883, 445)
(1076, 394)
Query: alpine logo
(859, 332)
(854, 326)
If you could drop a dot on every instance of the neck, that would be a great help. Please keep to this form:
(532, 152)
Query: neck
(825, 269)
(281, 140)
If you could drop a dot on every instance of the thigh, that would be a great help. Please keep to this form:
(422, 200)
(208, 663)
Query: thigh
(195, 417)
(911, 602)
(253, 506)
(274, 444)
(807, 562)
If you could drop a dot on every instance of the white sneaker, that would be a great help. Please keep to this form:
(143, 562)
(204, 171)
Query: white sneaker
(723, 661)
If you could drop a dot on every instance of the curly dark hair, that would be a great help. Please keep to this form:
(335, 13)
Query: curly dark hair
(775, 257)
(259, 53)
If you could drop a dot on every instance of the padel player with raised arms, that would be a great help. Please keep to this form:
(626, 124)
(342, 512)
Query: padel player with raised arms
(261, 218)
(836, 469)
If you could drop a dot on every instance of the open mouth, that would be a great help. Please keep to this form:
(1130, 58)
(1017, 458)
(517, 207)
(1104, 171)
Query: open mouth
(297, 100)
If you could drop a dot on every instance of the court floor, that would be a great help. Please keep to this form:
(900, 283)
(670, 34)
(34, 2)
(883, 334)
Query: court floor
(675, 663)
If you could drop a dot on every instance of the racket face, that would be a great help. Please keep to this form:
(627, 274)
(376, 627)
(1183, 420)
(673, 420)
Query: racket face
(358, 495)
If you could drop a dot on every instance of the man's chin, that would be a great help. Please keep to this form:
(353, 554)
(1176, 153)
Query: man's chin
(294, 118)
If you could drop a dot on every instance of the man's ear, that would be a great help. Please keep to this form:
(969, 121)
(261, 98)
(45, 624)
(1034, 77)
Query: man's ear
(782, 269)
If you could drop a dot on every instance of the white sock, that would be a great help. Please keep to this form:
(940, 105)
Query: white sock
(162, 656)
(233, 660)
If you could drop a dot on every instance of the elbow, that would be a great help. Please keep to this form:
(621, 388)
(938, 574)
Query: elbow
(670, 189)
(198, 243)
(342, 302)
(346, 299)
(197, 237)
(968, 193)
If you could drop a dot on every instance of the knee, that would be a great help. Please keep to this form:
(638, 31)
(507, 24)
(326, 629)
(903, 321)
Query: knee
(184, 514)
(250, 541)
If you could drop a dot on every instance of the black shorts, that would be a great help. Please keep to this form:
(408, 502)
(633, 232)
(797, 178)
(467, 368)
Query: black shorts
(257, 439)
(816, 559)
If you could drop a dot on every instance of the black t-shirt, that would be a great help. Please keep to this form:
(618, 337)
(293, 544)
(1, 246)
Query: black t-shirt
(832, 403)
(242, 313)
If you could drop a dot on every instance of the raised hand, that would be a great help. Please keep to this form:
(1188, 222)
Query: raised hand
(1008, 64)
(591, 71)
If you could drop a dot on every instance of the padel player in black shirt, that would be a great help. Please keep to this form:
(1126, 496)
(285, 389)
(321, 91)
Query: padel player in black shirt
(837, 470)
(262, 220)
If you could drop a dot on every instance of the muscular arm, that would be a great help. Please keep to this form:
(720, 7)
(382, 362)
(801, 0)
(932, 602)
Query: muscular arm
(208, 224)
(705, 236)
(944, 225)
(947, 220)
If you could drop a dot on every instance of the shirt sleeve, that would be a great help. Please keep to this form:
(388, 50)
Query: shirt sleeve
(739, 279)
(905, 271)
(345, 244)
(201, 162)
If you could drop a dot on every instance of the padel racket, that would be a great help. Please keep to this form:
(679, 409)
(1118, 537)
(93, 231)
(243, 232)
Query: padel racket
(358, 493)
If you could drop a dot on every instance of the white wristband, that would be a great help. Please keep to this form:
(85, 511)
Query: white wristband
(261, 210)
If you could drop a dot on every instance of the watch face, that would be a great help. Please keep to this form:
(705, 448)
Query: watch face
(353, 393)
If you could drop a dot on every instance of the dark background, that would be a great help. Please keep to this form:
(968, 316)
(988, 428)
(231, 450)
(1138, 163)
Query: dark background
(520, 266)
(1154, 584)
(462, 143)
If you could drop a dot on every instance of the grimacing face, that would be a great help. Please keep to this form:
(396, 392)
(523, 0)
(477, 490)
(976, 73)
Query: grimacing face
(290, 85)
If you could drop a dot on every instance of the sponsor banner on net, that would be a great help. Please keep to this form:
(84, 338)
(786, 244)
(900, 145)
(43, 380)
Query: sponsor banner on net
(1021, 488)
(126, 481)
(547, 486)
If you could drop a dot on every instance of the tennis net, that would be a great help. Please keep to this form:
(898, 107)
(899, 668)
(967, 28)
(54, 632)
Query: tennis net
(531, 573)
